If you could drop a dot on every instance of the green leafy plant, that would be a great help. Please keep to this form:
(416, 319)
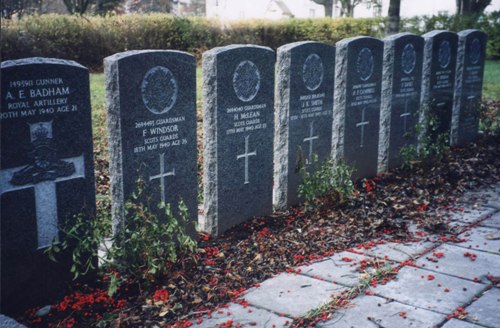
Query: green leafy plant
(84, 237)
(141, 250)
(433, 145)
(489, 113)
(326, 180)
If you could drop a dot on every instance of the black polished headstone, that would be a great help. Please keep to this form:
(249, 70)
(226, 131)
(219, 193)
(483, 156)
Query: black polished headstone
(46, 174)
(438, 83)
(471, 56)
(304, 102)
(401, 85)
(238, 127)
(358, 80)
(151, 96)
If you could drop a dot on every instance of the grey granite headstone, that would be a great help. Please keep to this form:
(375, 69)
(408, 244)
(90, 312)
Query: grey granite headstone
(304, 102)
(471, 55)
(151, 96)
(401, 83)
(238, 124)
(46, 174)
(438, 82)
(356, 113)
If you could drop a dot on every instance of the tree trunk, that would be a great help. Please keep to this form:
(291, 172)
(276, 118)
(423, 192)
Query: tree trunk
(327, 4)
(471, 7)
(350, 10)
(393, 18)
(328, 8)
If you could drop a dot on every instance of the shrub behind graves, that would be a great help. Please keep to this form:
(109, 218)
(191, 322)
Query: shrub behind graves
(89, 39)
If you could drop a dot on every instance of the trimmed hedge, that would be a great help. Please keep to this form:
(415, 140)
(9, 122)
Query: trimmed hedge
(89, 40)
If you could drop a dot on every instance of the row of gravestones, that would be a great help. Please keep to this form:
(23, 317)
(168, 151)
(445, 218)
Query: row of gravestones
(359, 102)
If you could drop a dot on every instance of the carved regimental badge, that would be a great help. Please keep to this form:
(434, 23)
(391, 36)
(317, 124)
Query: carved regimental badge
(444, 55)
(408, 58)
(475, 51)
(246, 80)
(159, 90)
(44, 166)
(312, 72)
(364, 64)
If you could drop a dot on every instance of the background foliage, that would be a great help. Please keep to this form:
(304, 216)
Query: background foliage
(88, 40)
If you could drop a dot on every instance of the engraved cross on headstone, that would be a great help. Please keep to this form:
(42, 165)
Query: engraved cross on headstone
(311, 139)
(405, 115)
(245, 156)
(162, 176)
(45, 194)
(362, 125)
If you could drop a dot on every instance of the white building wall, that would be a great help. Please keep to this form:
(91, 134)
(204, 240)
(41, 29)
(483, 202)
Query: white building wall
(411, 8)
(243, 9)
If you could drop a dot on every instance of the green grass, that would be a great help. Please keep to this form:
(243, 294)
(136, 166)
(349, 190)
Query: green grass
(491, 82)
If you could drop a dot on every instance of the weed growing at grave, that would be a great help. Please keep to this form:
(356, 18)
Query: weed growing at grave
(145, 245)
(140, 251)
(324, 312)
(433, 146)
(326, 180)
(84, 237)
(489, 113)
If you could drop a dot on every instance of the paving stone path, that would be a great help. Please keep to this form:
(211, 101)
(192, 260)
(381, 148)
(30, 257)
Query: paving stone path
(440, 283)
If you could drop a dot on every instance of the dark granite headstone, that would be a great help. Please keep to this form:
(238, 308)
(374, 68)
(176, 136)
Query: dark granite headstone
(401, 85)
(238, 124)
(438, 83)
(304, 102)
(356, 114)
(471, 55)
(46, 174)
(151, 98)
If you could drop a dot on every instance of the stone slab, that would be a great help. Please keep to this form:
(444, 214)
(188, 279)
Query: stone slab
(492, 222)
(482, 196)
(484, 311)
(241, 316)
(356, 111)
(455, 323)
(400, 252)
(151, 99)
(481, 238)
(292, 294)
(46, 174)
(6, 322)
(341, 268)
(410, 288)
(375, 312)
(238, 133)
(304, 107)
(471, 56)
(471, 215)
(455, 263)
(494, 204)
